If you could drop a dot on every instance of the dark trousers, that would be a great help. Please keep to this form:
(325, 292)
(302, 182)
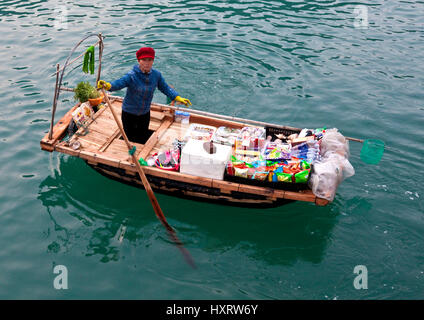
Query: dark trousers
(136, 127)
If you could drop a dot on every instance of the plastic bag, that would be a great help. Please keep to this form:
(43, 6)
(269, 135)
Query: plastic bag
(260, 175)
(333, 167)
(325, 179)
(225, 135)
(200, 132)
(308, 150)
(284, 177)
(334, 141)
(342, 162)
(241, 172)
(167, 160)
(82, 114)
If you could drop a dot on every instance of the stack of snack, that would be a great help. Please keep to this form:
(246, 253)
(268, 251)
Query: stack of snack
(199, 132)
(286, 159)
(250, 138)
(225, 135)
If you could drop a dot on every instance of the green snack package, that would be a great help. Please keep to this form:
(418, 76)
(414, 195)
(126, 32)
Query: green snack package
(283, 177)
(301, 177)
(305, 165)
(143, 162)
(270, 163)
(249, 165)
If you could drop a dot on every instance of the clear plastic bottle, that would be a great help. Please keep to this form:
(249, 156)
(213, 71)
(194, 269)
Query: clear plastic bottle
(185, 119)
(178, 116)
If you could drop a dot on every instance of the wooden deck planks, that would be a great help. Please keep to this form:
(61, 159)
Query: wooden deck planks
(114, 136)
(63, 148)
(103, 131)
(119, 150)
(154, 124)
(155, 137)
(103, 124)
(95, 137)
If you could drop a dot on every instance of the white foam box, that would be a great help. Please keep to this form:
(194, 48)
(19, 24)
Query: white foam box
(195, 160)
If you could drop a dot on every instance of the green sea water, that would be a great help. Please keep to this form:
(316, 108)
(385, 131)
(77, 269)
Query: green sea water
(355, 66)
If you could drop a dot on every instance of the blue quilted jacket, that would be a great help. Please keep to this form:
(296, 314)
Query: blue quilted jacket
(140, 89)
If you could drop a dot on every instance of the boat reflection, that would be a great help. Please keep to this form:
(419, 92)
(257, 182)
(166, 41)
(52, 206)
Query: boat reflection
(101, 216)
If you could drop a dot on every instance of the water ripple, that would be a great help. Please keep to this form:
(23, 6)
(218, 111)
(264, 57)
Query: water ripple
(300, 63)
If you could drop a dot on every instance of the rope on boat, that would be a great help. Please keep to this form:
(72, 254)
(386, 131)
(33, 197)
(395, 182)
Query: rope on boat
(132, 151)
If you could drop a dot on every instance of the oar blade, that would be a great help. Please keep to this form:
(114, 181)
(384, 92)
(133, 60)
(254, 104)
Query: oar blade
(372, 151)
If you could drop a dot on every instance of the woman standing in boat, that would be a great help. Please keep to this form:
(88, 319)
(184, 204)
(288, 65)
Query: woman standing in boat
(141, 83)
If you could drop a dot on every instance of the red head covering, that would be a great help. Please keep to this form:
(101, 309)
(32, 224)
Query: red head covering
(145, 52)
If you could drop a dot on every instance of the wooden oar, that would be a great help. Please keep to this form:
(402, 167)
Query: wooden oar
(146, 184)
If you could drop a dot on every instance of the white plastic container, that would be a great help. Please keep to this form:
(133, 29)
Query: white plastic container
(195, 160)
(182, 116)
(178, 116)
(227, 136)
(185, 119)
(199, 131)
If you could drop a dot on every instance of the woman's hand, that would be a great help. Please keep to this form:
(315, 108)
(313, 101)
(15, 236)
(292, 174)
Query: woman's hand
(183, 100)
(103, 84)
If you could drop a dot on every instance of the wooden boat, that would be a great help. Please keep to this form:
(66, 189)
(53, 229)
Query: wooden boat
(103, 149)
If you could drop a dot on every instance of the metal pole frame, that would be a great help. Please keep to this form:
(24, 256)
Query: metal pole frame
(59, 83)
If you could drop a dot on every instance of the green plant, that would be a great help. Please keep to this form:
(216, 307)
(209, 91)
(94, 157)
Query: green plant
(94, 94)
(85, 91)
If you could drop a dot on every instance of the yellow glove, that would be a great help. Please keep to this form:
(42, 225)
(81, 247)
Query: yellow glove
(183, 100)
(103, 84)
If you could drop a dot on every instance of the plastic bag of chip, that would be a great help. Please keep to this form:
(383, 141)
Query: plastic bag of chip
(250, 172)
(301, 177)
(259, 163)
(305, 165)
(279, 169)
(238, 172)
(225, 135)
(82, 114)
(283, 177)
(260, 175)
